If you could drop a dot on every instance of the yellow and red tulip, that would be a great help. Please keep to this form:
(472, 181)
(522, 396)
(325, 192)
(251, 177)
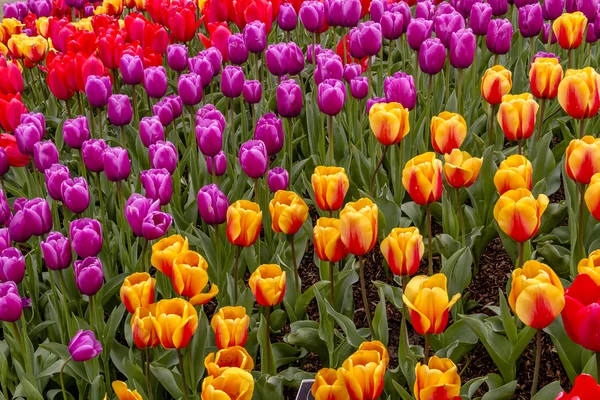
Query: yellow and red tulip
(330, 185)
(591, 266)
(358, 226)
(142, 328)
(592, 196)
(137, 291)
(516, 116)
(244, 219)
(422, 178)
(448, 132)
(327, 386)
(569, 29)
(403, 249)
(124, 393)
(268, 284)
(460, 169)
(545, 75)
(190, 277)
(519, 214)
(232, 384)
(389, 122)
(439, 379)
(429, 303)
(9, 27)
(288, 212)
(164, 252)
(536, 296)
(579, 93)
(363, 372)
(328, 240)
(230, 325)
(583, 159)
(231, 357)
(496, 82)
(514, 173)
(175, 322)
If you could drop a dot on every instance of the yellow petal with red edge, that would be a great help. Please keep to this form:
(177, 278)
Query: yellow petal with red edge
(203, 298)
(538, 305)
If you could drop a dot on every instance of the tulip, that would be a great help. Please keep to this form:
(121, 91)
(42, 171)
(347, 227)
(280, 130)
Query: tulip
(499, 35)
(165, 251)
(11, 108)
(277, 179)
(328, 386)
(56, 250)
(446, 24)
(252, 91)
(359, 87)
(117, 164)
(389, 122)
(220, 164)
(331, 96)
(269, 129)
(403, 249)
(366, 41)
(358, 226)
(190, 277)
(288, 212)
(86, 237)
(400, 88)
(255, 36)
(84, 346)
(92, 151)
(202, 67)
(579, 93)
(439, 377)
(581, 159)
(215, 56)
(329, 66)
(4, 162)
(351, 71)
(517, 115)
(253, 158)
(496, 82)
(156, 224)
(227, 358)
(463, 46)
(5, 214)
(76, 131)
(545, 76)
(569, 28)
(391, 25)
(55, 176)
(590, 266)
(230, 325)
(155, 82)
(274, 58)
(293, 59)
(27, 135)
(552, 9)
(124, 393)
(312, 15)
(11, 304)
(98, 90)
(480, 17)
(515, 172)
(175, 322)
(531, 20)
(432, 55)
(418, 31)
(592, 196)
(519, 214)
(212, 205)
(142, 329)
(448, 131)
(327, 239)
(189, 88)
(268, 283)
(244, 219)
(177, 57)
(32, 217)
(136, 210)
(363, 372)
(89, 275)
(209, 136)
(163, 110)
(151, 131)
(132, 69)
(44, 155)
(287, 18)
(233, 383)
(589, 7)
(137, 291)
(460, 169)
(158, 185)
(580, 314)
(585, 387)
(422, 178)
(12, 265)
(209, 111)
(232, 81)
(75, 194)
(289, 98)
(330, 185)
(546, 31)
(428, 301)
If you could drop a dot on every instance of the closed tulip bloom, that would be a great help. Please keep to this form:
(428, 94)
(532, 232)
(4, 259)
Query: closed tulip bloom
(552, 9)
(591, 265)
(448, 131)
(422, 178)
(499, 36)
(163, 155)
(190, 278)
(446, 24)
(400, 88)
(327, 386)
(76, 131)
(389, 122)
(136, 210)
(425, 9)
(155, 82)
(177, 57)
(547, 30)
(462, 48)
(294, 59)
(460, 169)
(117, 164)
(12, 265)
(89, 275)
(582, 159)
(55, 176)
(545, 76)
(359, 87)
(175, 321)
(331, 96)
(189, 88)
(142, 328)
(278, 179)
(35, 215)
(369, 38)
(312, 15)
(585, 387)
(592, 197)
(124, 393)
(480, 17)
(274, 59)
(255, 36)
(289, 99)
(254, 159)
(227, 358)
(44, 155)
(288, 212)
(98, 90)
(75, 194)
(439, 378)
(209, 111)
(269, 129)
(579, 93)
(156, 224)
(11, 303)
(27, 135)
(56, 250)
(86, 237)
(287, 19)
(230, 325)
(212, 205)
(157, 184)
(531, 20)
(519, 214)
(209, 137)
(330, 185)
(131, 69)
(165, 251)
(327, 239)
(589, 8)
(202, 67)
(351, 71)
(358, 226)
(363, 372)
(268, 284)
(514, 173)
(517, 115)
(92, 151)
(403, 249)
(5, 215)
(4, 162)
(391, 25)
(418, 31)
(244, 220)
(252, 91)
(582, 311)
(569, 28)
(432, 56)
(329, 66)
(163, 110)
(84, 346)
(137, 290)
(232, 81)
(428, 301)
(496, 82)
(232, 384)
(151, 131)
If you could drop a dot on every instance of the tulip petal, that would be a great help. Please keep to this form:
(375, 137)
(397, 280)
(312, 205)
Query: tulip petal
(538, 305)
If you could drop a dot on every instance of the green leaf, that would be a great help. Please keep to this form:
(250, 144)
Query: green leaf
(404, 395)
(458, 271)
(380, 321)
(347, 325)
(504, 392)
(166, 377)
(30, 390)
(507, 319)
(549, 391)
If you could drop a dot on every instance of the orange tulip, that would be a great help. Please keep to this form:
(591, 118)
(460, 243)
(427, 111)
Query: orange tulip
(124, 393)
(231, 357)
(175, 322)
(545, 75)
(422, 178)
(230, 325)
(358, 226)
(268, 284)
(34, 49)
(496, 82)
(569, 29)
(514, 173)
(579, 93)
(330, 185)
(142, 328)
(389, 122)
(428, 302)
(592, 196)
(403, 249)
(536, 296)
(164, 252)
(519, 214)
(516, 116)
(437, 380)
(14, 45)
(460, 169)
(448, 132)
(591, 266)
(328, 240)
(583, 159)
(110, 7)
(232, 384)
(244, 220)
(42, 25)
(363, 372)
(137, 291)
(9, 27)
(190, 278)
(288, 212)
(327, 386)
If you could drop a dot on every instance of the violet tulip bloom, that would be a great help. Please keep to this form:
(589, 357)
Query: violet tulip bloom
(547, 30)
(163, 109)
(255, 36)
(417, 32)
(359, 87)
(376, 9)
(328, 67)
(274, 59)
(131, 69)
(432, 56)
(202, 67)
(75, 194)
(400, 88)
(32, 217)
(531, 20)
(447, 24)
(89, 275)
(136, 210)
(55, 176)
(209, 137)
(92, 151)
(391, 25)
(351, 71)
(214, 56)
(589, 8)
(119, 112)
(27, 135)
(11, 303)
(254, 158)
(12, 265)
(366, 40)
(155, 82)
(86, 237)
(219, 162)
(209, 111)
(499, 7)
(498, 38)
(463, 46)
(151, 131)
(158, 185)
(44, 155)
(163, 155)
(481, 15)
(552, 9)
(278, 179)
(232, 81)
(177, 57)
(425, 10)
(252, 91)
(331, 96)
(4, 239)
(312, 15)
(98, 89)
(189, 88)
(4, 163)
(287, 19)
(293, 59)
(289, 99)
(117, 165)
(56, 250)
(84, 346)
(5, 213)
(269, 129)
(212, 205)
(156, 224)
(237, 49)
(76, 131)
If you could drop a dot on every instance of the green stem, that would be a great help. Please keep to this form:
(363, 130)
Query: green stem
(538, 360)
(427, 110)
(135, 108)
(295, 264)
(64, 333)
(145, 266)
(330, 144)
(256, 200)
(91, 121)
(429, 241)
(268, 338)
(62, 382)
(570, 59)
(148, 385)
(365, 299)
(426, 350)
(581, 128)
(403, 331)
(182, 370)
(331, 282)
(581, 231)
(520, 251)
(492, 125)
(370, 75)
(372, 180)
(91, 306)
(290, 140)
(64, 302)
(461, 218)
(538, 136)
(235, 273)
(461, 73)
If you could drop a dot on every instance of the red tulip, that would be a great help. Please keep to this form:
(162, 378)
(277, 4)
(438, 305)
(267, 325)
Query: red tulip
(182, 22)
(104, 22)
(12, 79)
(11, 108)
(585, 388)
(246, 11)
(82, 42)
(581, 315)
(217, 11)
(110, 47)
(219, 38)
(15, 157)
(85, 67)
(60, 77)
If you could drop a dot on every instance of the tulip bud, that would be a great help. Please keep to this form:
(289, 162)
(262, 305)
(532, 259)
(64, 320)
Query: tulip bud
(12, 265)
(331, 96)
(156, 224)
(330, 185)
(89, 275)
(237, 49)
(209, 111)
(480, 17)
(117, 165)
(499, 36)
(516, 116)
(327, 385)
(4, 162)
(327, 239)
(371, 356)
(203, 68)
(155, 82)
(277, 179)
(55, 176)
(269, 129)
(233, 382)
(44, 155)
(98, 90)
(209, 136)
(448, 131)
(365, 40)
(5, 216)
(84, 346)
(173, 316)
(400, 88)
(312, 15)
(56, 250)
(219, 162)
(418, 31)
(75, 194)
(232, 81)
(92, 151)
(131, 69)
(212, 204)
(268, 283)
(328, 67)
(422, 178)
(358, 226)
(377, 8)
(513, 173)
(252, 91)
(589, 8)
(151, 131)
(255, 36)
(391, 25)
(27, 135)
(531, 20)
(244, 220)
(389, 122)
(158, 185)
(230, 325)
(76, 131)
(545, 75)
(432, 56)
(359, 87)
(254, 159)
(463, 46)
(579, 93)
(142, 329)
(582, 159)
(190, 278)
(189, 88)
(32, 217)
(289, 99)
(165, 251)
(496, 82)
(351, 71)
(403, 249)
(11, 304)
(86, 237)
(519, 214)
(137, 291)
(288, 212)
(446, 24)
(460, 169)
(287, 18)
(163, 155)
(569, 29)
(177, 57)
(119, 112)
(439, 376)
(163, 110)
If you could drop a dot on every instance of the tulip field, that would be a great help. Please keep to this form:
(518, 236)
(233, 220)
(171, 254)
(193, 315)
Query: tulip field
(300, 199)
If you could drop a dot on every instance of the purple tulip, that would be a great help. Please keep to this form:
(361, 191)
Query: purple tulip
(92, 151)
(345, 13)
(117, 165)
(499, 7)
(328, 67)
(312, 15)
(214, 56)
(331, 96)
(189, 88)
(552, 9)
(34, 118)
(238, 51)
(11, 304)
(177, 57)
(546, 31)
(359, 87)
(163, 155)
(156, 224)
(136, 209)
(530, 20)
(418, 31)
(269, 129)
(86, 237)
(209, 136)
(366, 40)
(318, 50)
(4, 164)
(289, 98)
(155, 82)
(254, 158)
(15, 10)
(287, 18)
(464, 7)
(4, 239)
(588, 7)
(220, 163)
(523, 3)
(56, 250)
(481, 15)
(89, 276)
(119, 112)
(590, 36)
(255, 36)
(201, 66)
(278, 179)
(84, 345)
(293, 59)
(252, 91)
(377, 9)
(404, 9)
(500, 32)
(163, 110)
(76, 131)
(543, 54)
(391, 25)
(447, 24)
(55, 176)
(462, 48)
(351, 71)
(32, 218)
(98, 90)
(12, 265)
(27, 135)
(41, 8)
(176, 105)
(151, 131)
(5, 213)
(432, 56)
(232, 81)
(75, 194)
(274, 59)
(400, 88)
(44, 155)
(158, 185)
(212, 205)
(131, 69)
